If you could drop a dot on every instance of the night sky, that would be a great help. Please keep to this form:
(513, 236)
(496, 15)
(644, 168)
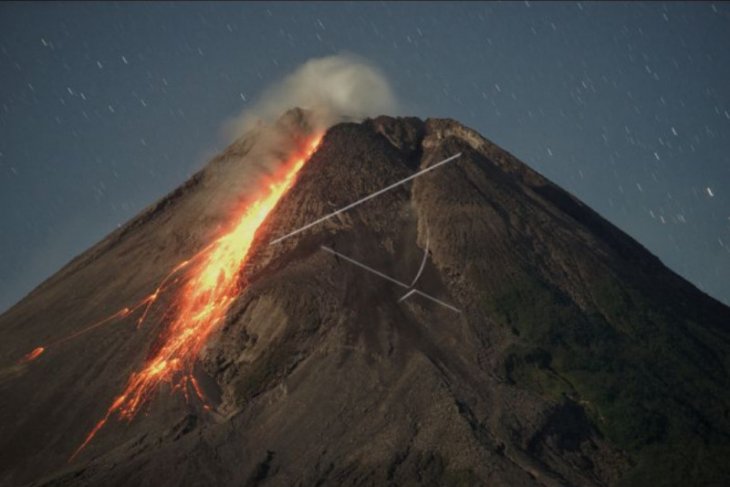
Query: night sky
(105, 108)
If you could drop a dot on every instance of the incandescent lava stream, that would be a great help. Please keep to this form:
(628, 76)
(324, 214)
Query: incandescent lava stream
(210, 285)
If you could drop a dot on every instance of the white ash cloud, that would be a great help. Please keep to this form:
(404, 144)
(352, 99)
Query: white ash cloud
(333, 88)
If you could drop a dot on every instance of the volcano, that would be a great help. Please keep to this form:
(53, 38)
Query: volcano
(412, 305)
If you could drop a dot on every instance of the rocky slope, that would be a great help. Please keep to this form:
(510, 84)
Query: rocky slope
(577, 358)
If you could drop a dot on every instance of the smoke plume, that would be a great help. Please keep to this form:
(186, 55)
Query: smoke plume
(332, 88)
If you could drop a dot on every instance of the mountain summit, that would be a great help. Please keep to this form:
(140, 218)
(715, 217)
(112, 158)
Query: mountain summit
(475, 325)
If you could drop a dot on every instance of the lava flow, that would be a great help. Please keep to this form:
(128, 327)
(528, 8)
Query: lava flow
(210, 285)
(32, 355)
(144, 303)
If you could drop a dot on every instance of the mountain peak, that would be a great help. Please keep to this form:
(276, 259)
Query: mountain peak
(419, 304)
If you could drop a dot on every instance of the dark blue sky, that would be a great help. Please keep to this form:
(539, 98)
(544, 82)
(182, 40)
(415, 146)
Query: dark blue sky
(106, 107)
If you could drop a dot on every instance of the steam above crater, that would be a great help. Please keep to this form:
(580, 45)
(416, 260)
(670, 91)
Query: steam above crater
(332, 88)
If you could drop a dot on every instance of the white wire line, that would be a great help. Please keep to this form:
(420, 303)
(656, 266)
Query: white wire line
(395, 281)
(366, 198)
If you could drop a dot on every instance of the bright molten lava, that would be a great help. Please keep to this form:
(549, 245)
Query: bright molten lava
(34, 354)
(211, 284)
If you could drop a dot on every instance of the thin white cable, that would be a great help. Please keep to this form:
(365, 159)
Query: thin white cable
(363, 200)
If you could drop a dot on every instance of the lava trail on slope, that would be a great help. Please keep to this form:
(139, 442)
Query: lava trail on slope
(209, 285)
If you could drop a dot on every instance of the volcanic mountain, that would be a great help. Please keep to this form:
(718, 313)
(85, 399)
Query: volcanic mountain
(475, 325)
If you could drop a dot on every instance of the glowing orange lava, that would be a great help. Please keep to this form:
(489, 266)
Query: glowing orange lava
(29, 357)
(211, 284)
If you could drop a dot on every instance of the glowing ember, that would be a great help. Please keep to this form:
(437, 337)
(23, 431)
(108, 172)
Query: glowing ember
(29, 357)
(211, 284)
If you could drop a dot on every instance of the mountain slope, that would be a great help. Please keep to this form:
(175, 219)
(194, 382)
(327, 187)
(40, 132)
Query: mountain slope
(576, 357)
